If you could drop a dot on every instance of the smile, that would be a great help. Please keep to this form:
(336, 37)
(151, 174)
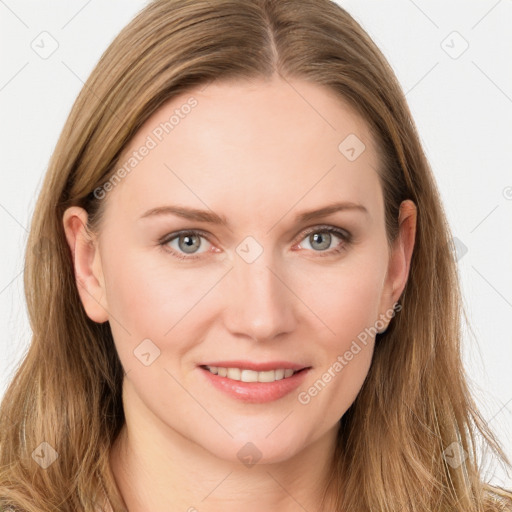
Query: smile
(245, 375)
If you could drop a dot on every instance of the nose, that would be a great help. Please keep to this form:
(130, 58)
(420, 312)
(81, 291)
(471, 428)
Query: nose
(259, 303)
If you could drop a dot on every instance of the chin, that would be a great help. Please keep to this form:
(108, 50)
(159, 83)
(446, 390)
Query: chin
(257, 449)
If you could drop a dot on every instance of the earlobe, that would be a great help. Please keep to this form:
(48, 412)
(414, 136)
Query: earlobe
(87, 264)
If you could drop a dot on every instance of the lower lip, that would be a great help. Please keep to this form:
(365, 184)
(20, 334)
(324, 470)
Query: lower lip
(256, 392)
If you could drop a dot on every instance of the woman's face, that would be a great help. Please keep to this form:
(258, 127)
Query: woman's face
(261, 281)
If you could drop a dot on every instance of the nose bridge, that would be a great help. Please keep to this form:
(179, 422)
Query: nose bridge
(259, 303)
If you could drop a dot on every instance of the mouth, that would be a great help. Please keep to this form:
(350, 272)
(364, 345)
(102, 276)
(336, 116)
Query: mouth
(254, 383)
(244, 374)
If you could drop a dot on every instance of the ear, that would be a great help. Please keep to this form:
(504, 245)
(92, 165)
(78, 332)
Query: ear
(400, 258)
(87, 264)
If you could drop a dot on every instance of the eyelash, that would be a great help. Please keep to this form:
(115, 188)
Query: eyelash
(343, 234)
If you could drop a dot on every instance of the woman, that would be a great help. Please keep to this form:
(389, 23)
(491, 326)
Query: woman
(248, 294)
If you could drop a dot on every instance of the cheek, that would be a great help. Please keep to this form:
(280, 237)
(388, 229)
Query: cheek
(151, 298)
(345, 297)
(146, 293)
(347, 347)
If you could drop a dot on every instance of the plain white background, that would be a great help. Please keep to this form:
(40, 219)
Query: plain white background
(454, 61)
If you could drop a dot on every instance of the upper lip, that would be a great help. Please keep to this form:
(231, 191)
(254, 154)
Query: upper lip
(258, 367)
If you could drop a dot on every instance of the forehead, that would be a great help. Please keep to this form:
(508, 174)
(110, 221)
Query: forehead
(253, 145)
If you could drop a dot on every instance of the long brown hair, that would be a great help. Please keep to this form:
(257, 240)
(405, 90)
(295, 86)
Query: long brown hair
(415, 403)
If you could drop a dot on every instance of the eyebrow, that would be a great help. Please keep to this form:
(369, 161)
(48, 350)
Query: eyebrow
(211, 217)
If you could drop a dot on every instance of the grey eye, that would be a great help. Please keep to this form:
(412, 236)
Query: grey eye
(188, 243)
(322, 238)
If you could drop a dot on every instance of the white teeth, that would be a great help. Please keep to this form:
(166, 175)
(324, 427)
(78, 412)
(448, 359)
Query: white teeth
(268, 376)
(251, 375)
(234, 373)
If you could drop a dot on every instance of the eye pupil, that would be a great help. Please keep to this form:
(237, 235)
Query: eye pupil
(316, 237)
(190, 243)
(320, 240)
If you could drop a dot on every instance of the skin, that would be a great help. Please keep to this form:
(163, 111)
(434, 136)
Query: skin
(257, 153)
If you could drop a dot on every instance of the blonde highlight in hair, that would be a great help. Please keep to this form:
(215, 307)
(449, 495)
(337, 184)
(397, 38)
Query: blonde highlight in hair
(415, 401)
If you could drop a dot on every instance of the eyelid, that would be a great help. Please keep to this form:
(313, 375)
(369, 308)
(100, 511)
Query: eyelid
(345, 235)
(169, 237)
(324, 227)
